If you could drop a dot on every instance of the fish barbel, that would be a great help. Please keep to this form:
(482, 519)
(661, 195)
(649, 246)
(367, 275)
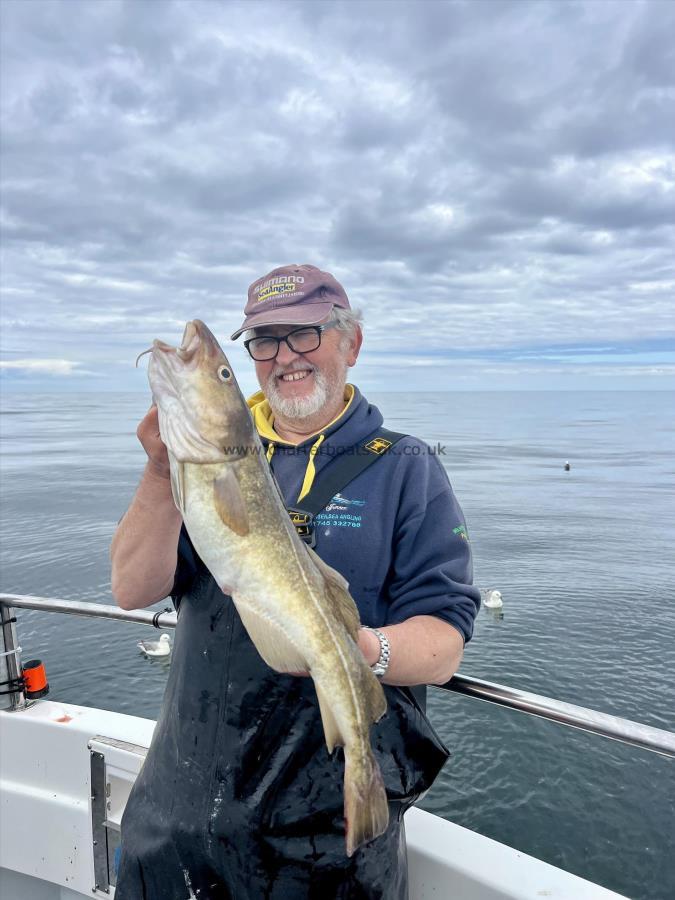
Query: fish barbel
(296, 609)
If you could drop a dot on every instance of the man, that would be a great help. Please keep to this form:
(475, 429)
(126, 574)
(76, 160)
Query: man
(238, 797)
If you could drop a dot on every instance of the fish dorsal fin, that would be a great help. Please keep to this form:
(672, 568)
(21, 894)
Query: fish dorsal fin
(229, 502)
(370, 687)
(327, 571)
(338, 589)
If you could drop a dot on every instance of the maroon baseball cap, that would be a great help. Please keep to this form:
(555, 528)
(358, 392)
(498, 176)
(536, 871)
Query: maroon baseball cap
(292, 295)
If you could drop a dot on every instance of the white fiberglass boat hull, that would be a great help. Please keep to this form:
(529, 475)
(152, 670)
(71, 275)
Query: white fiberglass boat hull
(50, 753)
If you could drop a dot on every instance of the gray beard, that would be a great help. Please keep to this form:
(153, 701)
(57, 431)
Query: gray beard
(304, 407)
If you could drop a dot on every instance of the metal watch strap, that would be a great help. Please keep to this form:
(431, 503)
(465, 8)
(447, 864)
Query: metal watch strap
(380, 667)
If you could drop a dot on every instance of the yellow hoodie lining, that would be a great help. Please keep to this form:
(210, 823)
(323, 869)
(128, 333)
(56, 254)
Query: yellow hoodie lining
(263, 419)
(310, 471)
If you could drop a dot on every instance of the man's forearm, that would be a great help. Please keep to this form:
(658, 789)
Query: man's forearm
(424, 650)
(143, 549)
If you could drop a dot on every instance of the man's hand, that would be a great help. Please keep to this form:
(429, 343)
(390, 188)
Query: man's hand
(424, 650)
(148, 434)
(369, 645)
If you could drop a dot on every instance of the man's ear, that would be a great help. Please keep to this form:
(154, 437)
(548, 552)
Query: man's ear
(355, 342)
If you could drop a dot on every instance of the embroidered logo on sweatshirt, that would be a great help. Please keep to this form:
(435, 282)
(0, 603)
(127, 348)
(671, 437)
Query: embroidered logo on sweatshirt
(461, 531)
(378, 445)
(341, 511)
(342, 502)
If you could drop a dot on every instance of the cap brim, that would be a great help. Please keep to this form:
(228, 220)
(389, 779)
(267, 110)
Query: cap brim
(310, 314)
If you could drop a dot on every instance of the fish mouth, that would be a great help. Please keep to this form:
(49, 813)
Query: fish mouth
(160, 350)
(170, 366)
(196, 337)
(191, 342)
(188, 349)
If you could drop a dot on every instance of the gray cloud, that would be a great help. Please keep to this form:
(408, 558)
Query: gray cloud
(486, 176)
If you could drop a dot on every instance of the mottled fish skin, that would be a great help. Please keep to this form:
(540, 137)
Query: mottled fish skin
(296, 609)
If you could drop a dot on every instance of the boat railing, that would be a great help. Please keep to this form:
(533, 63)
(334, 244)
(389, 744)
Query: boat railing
(646, 737)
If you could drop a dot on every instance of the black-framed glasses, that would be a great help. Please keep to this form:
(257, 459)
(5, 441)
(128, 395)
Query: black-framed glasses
(300, 340)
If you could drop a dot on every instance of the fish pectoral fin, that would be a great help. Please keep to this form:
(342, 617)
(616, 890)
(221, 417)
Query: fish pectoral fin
(338, 590)
(230, 504)
(328, 572)
(331, 729)
(177, 483)
(271, 641)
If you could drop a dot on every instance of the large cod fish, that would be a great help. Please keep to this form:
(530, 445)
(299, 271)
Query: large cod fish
(296, 609)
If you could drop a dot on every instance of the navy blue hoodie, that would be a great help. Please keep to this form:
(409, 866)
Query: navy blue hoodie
(396, 532)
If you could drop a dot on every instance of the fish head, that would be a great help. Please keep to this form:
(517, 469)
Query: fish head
(203, 416)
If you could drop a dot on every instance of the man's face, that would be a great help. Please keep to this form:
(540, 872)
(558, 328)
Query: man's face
(298, 385)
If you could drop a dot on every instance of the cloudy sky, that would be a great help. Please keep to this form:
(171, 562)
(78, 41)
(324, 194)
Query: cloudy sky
(492, 182)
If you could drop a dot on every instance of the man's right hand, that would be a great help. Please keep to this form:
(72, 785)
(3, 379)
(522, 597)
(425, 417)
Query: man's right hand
(149, 436)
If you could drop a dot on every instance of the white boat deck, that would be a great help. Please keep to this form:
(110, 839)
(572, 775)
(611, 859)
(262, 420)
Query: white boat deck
(46, 838)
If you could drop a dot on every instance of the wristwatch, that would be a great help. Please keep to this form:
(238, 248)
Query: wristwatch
(380, 667)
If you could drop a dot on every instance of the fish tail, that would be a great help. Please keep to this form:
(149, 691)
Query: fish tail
(366, 809)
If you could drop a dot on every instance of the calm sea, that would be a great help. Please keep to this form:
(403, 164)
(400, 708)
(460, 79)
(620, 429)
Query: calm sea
(584, 560)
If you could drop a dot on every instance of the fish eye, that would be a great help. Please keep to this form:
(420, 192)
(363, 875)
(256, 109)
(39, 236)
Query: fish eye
(224, 373)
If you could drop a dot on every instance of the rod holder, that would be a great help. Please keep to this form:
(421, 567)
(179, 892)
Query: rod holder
(12, 694)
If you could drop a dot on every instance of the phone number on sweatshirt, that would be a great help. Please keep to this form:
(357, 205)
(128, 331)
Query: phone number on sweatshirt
(341, 521)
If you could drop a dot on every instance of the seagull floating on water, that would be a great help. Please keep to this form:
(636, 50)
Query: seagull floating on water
(492, 599)
(162, 647)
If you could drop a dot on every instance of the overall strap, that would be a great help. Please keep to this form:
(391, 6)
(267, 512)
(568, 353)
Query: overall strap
(337, 475)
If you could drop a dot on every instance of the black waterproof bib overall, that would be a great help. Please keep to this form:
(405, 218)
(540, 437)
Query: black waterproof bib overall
(239, 798)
